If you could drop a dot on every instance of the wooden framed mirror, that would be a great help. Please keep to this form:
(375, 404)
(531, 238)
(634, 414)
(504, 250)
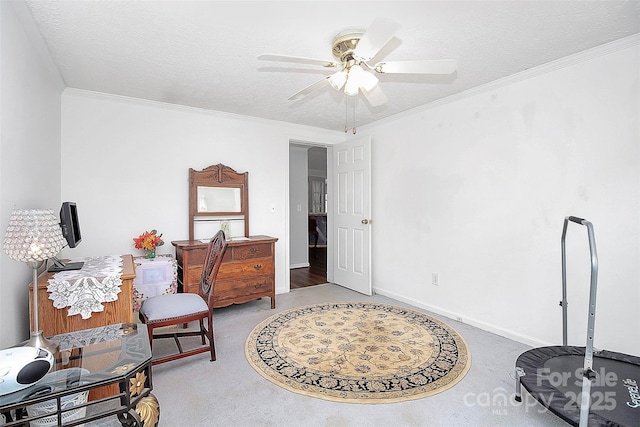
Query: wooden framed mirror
(217, 195)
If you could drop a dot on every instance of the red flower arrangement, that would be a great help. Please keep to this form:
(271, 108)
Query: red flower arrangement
(148, 241)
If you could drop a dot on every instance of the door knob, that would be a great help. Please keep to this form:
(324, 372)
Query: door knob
(367, 221)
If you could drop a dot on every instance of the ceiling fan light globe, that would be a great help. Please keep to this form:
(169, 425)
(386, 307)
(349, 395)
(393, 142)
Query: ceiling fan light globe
(368, 81)
(337, 80)
(355, 72)
(351, 87)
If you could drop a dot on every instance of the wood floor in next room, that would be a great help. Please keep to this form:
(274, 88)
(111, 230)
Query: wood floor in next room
(315, 274)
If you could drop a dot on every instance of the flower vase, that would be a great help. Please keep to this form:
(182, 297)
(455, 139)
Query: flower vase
(150, 254)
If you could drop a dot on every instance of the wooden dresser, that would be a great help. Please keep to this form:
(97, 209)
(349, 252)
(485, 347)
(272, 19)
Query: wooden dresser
(54, 321)
(247, 271)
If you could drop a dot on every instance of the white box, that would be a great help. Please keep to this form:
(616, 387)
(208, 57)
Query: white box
(155, 276)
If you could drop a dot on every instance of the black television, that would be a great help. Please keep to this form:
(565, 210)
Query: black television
(69, 223)
(71, 232)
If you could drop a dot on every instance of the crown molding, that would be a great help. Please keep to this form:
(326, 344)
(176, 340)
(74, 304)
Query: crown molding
(331, 136)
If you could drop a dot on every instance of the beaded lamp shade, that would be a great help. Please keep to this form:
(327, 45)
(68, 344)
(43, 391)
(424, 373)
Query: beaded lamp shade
(33, 235)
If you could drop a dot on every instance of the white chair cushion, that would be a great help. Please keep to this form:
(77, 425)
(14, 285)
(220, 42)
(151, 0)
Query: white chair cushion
(172, 305)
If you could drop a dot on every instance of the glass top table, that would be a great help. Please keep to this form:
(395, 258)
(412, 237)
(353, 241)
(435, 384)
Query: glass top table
(98, 373)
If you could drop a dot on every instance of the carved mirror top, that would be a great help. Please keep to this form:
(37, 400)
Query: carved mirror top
(218, 176)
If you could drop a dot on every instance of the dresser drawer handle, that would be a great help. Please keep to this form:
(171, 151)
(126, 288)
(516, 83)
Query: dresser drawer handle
(257, 267)
(258, 285)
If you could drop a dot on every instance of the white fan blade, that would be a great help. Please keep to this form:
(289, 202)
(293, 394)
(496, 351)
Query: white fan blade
(426, 66)
(297, 60)
(375, 96)
(311, 88)
(375, 38)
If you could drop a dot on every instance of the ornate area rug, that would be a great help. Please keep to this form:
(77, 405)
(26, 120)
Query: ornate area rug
(358, 352)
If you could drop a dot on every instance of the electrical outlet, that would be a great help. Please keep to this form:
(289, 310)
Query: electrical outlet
(434, 279)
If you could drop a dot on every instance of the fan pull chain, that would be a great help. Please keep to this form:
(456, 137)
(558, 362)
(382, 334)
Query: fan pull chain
(346, 114)
(354, 115)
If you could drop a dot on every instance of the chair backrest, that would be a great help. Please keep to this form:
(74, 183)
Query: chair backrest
(212, 261)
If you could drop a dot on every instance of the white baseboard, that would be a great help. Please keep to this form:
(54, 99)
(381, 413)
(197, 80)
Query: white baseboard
(303, 265)
(459, 317)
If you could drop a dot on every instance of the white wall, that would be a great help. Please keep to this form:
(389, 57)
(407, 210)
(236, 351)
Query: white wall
(30, 88)
(125, 162)
(476, 189)
(298, 210)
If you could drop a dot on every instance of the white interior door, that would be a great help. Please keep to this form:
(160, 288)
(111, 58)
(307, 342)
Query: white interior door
(352, 214)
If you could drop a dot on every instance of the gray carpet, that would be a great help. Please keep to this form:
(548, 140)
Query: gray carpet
(229, 392)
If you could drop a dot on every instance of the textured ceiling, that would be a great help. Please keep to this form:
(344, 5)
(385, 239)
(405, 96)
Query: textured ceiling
(203, 53)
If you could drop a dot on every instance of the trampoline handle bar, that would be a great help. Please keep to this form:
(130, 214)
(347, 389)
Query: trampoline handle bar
(592, 289)
(576, 220)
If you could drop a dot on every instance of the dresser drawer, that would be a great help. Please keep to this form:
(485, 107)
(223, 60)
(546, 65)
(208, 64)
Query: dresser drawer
(227, 291)
(233, 253)
(247, 268)
(232, 271)
(240, 253)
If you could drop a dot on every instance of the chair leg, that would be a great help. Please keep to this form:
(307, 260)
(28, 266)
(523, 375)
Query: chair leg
(210, 336)
(150, 333)
(202, 332)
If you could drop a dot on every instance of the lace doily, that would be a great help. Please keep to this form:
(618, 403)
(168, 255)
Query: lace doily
(84, 291)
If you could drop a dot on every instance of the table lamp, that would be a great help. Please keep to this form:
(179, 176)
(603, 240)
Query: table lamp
(33, 236)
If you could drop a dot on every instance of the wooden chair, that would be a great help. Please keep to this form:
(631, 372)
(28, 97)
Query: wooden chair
(179, 309)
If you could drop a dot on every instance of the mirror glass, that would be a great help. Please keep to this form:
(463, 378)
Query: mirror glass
(219, 199)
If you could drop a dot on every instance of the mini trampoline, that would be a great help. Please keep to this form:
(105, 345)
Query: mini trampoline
(582, 386)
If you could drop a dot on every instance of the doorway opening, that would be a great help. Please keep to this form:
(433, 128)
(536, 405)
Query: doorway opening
(308, 215)
(315, 273)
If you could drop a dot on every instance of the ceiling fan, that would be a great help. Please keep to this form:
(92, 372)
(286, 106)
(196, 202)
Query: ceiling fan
(353, 49)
